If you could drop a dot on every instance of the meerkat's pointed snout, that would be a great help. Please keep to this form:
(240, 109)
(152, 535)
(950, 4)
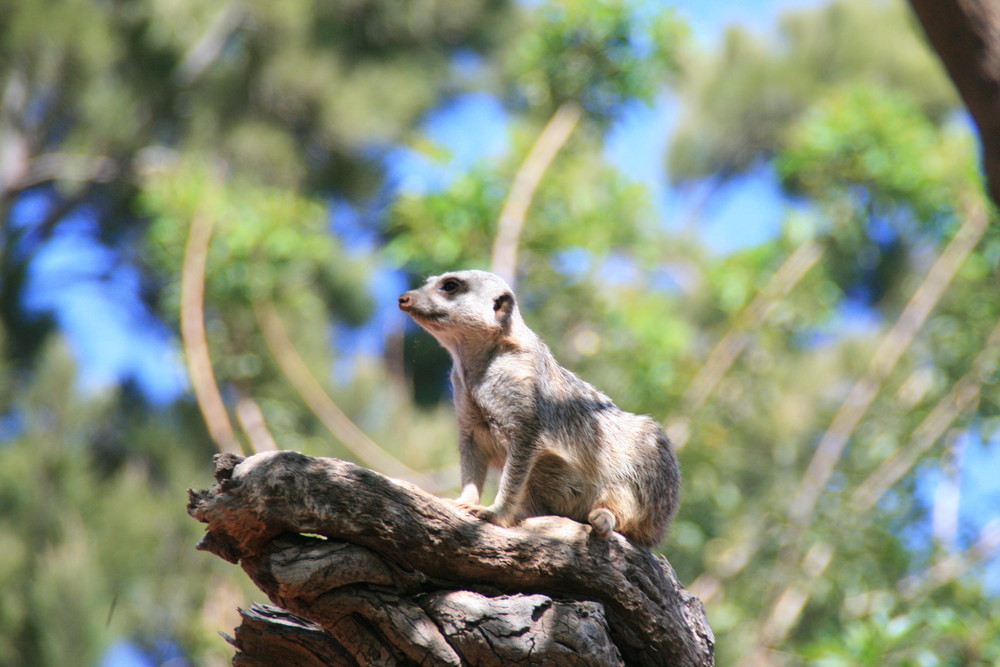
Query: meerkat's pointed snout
(405, 301)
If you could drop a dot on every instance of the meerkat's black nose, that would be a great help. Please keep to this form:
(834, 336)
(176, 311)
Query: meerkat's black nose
(405, 301)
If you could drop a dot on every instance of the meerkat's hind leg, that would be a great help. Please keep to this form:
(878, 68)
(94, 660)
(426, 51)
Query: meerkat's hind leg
(603, 522)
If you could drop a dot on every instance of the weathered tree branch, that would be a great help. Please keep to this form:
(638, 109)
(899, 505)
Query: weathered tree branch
(272, 636)
(399, 576)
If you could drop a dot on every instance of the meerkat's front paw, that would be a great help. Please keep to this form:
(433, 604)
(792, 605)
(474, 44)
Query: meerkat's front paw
(467, 505)
(491, 515)
(474, 508)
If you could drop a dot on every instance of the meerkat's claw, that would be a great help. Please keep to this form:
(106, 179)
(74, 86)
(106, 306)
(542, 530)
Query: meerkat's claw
(469, 507)
(475, 509)
(484, 513)
(490, 515)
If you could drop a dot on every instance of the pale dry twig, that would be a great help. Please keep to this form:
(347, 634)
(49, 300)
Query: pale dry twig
(550, 141)
(199, 360)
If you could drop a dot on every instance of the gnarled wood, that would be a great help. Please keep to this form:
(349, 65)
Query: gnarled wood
(395, 575)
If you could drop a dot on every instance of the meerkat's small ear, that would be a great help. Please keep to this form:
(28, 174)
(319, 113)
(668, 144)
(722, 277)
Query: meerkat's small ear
(503, 306)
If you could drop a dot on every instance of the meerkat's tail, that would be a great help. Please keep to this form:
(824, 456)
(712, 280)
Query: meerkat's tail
(603, 522)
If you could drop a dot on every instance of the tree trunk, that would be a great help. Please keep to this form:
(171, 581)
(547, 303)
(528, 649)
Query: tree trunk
(387, 574)
(966, 36)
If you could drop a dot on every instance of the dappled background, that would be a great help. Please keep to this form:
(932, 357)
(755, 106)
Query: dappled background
(764, 227)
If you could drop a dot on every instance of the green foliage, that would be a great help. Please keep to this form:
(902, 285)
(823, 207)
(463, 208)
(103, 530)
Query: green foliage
(93, 551)
(739, 100)
(599, 54)
(936, 635)
(871, 157)
(466, 212)
(265, 241)
(91, 90)
(251, 116)
(572, 209)
(855, 118)
(878, 140)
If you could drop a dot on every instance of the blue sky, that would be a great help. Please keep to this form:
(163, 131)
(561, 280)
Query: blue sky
(708, 20)
(94, 297)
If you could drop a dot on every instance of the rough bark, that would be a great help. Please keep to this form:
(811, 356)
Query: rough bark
(966, 36)
(388, 574)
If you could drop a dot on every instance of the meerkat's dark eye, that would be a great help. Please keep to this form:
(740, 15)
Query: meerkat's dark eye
(450, 286)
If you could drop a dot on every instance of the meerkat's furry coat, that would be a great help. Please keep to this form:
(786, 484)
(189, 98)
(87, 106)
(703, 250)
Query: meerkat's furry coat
(562, 446)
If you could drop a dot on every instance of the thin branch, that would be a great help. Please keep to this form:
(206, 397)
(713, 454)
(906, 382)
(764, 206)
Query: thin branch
(199, 361)
(896, 342)
(734, 342)
(251, 420)
(326, 410)
(15, 162)
(898, 339)
(788, 607)
(963, 395)
(717, 364)
(553, 137)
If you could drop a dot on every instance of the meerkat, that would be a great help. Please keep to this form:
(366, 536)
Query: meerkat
(562, 446)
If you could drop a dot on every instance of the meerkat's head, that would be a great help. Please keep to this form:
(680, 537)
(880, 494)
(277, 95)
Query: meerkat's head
(463, 307)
